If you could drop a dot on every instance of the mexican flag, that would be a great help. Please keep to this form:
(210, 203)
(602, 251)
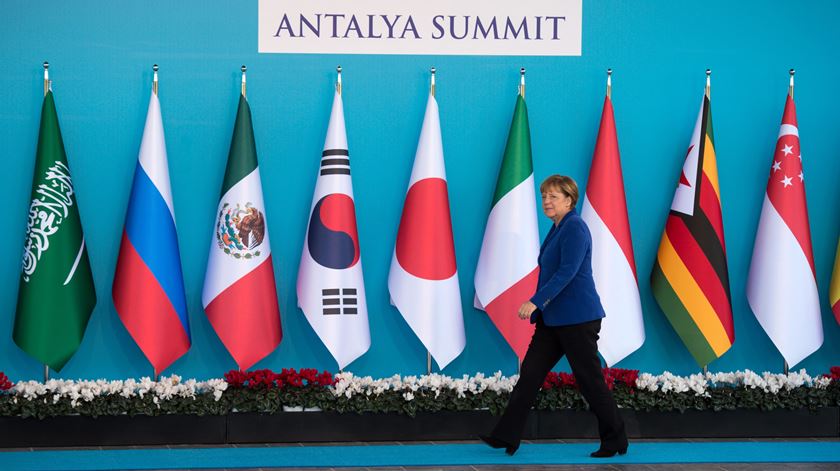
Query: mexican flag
(507, 270)
(56, 294)
(240, 296)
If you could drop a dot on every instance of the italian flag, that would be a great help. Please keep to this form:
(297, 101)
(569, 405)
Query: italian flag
(240, 297)
(507, 270)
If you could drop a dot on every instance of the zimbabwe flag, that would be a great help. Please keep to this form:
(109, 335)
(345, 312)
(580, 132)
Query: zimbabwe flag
(690, 280)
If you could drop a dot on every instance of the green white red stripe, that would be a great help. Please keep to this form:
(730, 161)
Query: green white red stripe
(240, 297)
(507, 270)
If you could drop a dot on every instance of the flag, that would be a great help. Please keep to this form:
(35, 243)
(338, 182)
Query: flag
(330, 285)
(507, 270)
(423, 280)
(690, 279)
(782, 283)
(613, 264)
(240, 295)
(56, 293)
(148, 287)
(834, 289)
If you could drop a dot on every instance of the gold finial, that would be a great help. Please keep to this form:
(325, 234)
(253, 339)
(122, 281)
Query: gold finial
(432, 86)
(609, 83)
(522, 82)
(46, 77)
(243, 69)
(155, 79)
(790, 89)
(709, 83)
(338, 80)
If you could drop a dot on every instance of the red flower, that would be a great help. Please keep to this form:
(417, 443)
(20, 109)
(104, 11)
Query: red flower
(263, 379)
(614, 376)
(551, 381)
(235, 378)
(835, 373)
(267, 379)
(325, 379)
(5, 384)
(567, 380)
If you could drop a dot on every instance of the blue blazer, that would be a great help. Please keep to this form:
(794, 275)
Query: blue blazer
(566, 290)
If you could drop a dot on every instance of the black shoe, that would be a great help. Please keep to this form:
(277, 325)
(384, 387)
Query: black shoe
(607, 453)
(494, 442)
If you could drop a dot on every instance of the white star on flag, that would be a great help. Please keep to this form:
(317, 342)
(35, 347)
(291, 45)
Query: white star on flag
(777, 165)
(788, 150)
(781, 286)
(801, 177)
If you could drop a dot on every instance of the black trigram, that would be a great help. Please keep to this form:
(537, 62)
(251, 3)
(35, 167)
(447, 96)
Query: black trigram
(335, 300)
(335, 162)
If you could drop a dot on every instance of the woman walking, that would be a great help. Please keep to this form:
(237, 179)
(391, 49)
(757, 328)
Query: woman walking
(567, 312)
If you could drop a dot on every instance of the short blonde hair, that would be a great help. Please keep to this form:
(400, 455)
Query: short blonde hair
(565, 184)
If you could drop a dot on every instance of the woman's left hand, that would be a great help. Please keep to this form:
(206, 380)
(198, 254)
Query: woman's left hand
(526, 309)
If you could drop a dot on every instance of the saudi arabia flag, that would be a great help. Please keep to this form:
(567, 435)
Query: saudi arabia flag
(56, 294)
(240, 297)
(507, 269)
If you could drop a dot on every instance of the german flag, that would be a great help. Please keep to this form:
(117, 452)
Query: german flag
(690, 280)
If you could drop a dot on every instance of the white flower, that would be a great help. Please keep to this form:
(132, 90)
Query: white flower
(822, 382)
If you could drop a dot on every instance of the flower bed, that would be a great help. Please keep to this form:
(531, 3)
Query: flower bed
(265, 391)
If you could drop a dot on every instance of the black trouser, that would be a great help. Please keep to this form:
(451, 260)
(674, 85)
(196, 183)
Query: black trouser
(548, 345)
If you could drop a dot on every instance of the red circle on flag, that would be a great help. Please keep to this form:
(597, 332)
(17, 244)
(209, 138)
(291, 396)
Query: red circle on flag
(424, 243)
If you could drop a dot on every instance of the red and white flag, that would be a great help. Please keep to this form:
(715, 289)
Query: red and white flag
(613, 264)
(782, 286)
(423, 281)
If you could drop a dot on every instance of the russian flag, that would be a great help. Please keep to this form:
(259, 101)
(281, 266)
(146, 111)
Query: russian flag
(148, 288)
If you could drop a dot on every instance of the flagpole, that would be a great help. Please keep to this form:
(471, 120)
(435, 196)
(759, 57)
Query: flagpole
(609, 84)
(46, 77)
(709, 84)
(431, 92)
(785, 366)
(155, 68)
(46, 90)
(243, 69)
(522, 94)
(338, 80)
(790, 89)
(708, 92)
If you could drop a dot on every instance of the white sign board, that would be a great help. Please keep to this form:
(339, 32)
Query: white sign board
(433, 27)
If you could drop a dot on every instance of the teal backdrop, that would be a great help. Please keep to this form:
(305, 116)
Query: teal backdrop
(101, 55)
